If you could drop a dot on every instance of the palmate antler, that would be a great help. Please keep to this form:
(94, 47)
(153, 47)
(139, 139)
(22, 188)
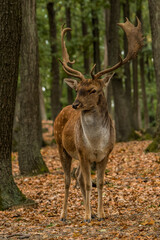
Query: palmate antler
(70, 71)
(135, 43)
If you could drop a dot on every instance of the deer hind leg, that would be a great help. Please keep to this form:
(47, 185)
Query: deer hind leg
(81, 183)
(101, 166)
(66, 161)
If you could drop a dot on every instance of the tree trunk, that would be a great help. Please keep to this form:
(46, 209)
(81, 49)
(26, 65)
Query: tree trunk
(142, 73)
(144, 97)
(42, 105)
(85, 45)
(95, 33)
(154, 10)
(15, 135)
(122, 123)
(109, 88)
(127, 71)
(10, 33)
(30, 159)
(68, 22)
(55, 88)
(135, 93)
(107, 19)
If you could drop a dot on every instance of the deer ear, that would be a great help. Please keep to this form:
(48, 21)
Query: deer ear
(107, 79)
(71, 82)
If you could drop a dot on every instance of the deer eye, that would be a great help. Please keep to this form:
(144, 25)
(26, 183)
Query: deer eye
(92, 91)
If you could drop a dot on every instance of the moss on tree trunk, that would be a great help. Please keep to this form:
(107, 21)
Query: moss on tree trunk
(10, 195)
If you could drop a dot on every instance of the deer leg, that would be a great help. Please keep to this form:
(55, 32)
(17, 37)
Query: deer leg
(66, 161)
(101, 166)
(86, 186)
(82, 185)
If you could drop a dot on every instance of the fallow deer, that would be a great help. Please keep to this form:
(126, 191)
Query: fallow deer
(85, 131)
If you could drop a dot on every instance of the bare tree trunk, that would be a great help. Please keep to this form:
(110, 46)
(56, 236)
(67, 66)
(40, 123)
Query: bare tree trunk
(142, 73)
(10, 195)
(144, 97)
(55, 88)
(30, 159)
(127, 72)
(42, 105)
(135, 93)
(95, 33)
(68, 22)
(84, 34)
(122, 123)
(109, 89)
(154, 10)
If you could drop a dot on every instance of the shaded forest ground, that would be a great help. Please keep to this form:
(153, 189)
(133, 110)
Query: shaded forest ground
(131, 199)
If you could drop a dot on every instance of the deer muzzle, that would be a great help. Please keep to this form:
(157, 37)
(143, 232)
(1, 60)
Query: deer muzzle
(77, 104)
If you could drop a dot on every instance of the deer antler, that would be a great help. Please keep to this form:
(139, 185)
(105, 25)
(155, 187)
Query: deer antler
(70, 71)
(135, 43)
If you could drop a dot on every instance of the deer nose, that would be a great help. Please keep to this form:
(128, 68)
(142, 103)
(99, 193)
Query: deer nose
(75, 104)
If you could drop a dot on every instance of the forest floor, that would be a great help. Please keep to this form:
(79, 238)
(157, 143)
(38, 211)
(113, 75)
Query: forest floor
(131, 199)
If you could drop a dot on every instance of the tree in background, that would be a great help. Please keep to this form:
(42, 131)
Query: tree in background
(127, 70)
(154, 10)
(123, 126)
(142, 72)
(84, 35)
(30, 136)
(10, 34)
(95, 34)
(68, 24)
(55, 88)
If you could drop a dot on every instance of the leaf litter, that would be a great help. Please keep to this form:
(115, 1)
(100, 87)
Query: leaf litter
(131, 199)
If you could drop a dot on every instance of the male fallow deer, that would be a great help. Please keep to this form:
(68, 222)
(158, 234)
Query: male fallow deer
(85, 131)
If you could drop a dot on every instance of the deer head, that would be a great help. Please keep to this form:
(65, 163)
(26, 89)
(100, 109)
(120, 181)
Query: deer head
(88, 90)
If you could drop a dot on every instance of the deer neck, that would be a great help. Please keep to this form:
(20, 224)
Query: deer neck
(96, 130)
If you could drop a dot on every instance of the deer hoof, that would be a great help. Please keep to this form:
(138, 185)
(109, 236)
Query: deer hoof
(100, 219)
(63, 219)
(93, 216)
(87, 220)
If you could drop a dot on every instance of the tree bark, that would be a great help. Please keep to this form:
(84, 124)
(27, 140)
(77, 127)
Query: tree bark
(95, 33)
(85, 45)
(127, 72)
(55, 88)
(142, 73)
(154, 11)
(123, 127)
(30, 159)
(144, 96)
(135, 93)
(42, 104)
(68, 22)
(10, 33)
(109, 88)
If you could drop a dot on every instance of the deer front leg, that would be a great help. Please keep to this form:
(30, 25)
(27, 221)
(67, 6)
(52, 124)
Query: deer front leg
(66, 164)
(101, 166)
(86, 174)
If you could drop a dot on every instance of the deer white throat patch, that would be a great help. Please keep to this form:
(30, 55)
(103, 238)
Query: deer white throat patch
(95, 136)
